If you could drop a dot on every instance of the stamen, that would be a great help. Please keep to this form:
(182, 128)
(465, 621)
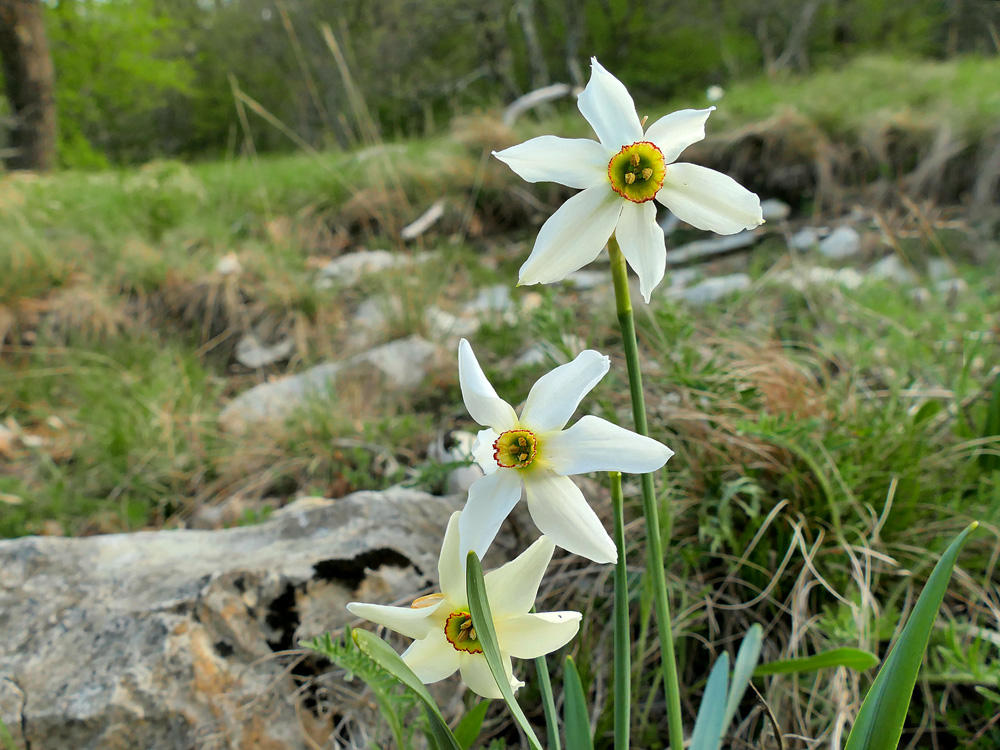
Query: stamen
(647, 173)
(642, 124)
(629, 178)
(635, 160)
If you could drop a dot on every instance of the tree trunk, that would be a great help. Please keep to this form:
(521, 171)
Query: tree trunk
(30, 80)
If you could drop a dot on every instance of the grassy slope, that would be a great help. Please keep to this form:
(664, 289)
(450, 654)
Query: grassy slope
(821, 405)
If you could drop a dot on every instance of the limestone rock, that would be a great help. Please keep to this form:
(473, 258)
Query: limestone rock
(714, 289)
(843, 242)
(167, 640)
(403, 363)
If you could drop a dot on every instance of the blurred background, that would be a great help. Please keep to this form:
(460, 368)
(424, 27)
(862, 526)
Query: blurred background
(239, 241)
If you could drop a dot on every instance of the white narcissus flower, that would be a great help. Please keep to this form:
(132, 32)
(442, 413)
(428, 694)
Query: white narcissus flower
(535, 450)
(620, 177)
(442, 626)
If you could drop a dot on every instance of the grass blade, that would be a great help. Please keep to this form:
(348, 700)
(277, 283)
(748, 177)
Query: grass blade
(880, 721)
(482, 621)
(576, 715)
(708, 727)
(743, 670)
(853, 658)
(470, 725)
(386, 657)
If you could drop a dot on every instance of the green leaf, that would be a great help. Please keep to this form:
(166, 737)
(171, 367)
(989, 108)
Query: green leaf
(8, 740)
(383, 654)
(576, 715)
(709, 726)
(470, 725)
(743, 670)
(880, 721)
(989, 459)
(482, 621)
(393, 704)
(853, 658)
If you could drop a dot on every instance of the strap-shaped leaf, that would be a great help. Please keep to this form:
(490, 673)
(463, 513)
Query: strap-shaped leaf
(746, 660)
(853, 658)
(708, 727)
(471, 724)
(482, 621)
(880, 721)
(386, 657)
(576, 715)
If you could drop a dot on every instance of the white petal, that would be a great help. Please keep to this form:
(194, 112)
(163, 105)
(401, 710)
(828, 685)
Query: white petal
(678, 130)
(529, 636)
(709, 200)
(559, 510)
(477, 675)
(512, 588)
(573, 236)
(413, 623)
(642, 244)
(451, 567)
(554, 396)
(483, 403)
(574, 162)
(594, 444)
(432, 658)
(490, 501)
(609, 109)
(482, 450)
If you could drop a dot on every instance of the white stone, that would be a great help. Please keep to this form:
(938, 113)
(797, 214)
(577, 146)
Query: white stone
(159, 640)
(843, 242)
(714, 289)
(891, 268)
(775, 210)
(251, 353)
(349, 268)
(403, 363)
(805, 239)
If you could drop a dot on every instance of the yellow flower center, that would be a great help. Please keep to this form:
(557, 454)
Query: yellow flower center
(460, 633)
(637, 171)
(515, 449)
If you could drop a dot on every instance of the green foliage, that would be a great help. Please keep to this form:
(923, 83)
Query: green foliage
(852, 658)
(385, 657)
(468, 728)
(879, 723)
(394, 704)
(482, 619)
(115, 64)
(576, 712)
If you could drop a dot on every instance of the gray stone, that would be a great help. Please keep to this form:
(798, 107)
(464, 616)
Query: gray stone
(703, 250)
(403, 363)
(843, 242)
(775, 210)
(805, 239)
(803, 278)
(714, 289)
(443, 326)
(349, 268)
(250, 352)
(584, 280)
(891, 268)
(939, 268)
(492, 299)
(167, 640)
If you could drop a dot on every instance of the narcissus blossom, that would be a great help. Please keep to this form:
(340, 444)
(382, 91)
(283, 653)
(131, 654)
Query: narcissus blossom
(620, 176)
(535, 451)
(442, 626)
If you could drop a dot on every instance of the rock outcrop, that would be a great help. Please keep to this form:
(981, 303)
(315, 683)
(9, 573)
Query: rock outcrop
(168, 640)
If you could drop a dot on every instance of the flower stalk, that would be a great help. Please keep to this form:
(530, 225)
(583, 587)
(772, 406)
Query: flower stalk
(654, 546)
(623, 655)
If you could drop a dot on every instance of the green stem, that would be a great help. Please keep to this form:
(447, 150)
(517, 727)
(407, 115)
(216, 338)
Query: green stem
(623, 660)
(654, 545)
(548, 702)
